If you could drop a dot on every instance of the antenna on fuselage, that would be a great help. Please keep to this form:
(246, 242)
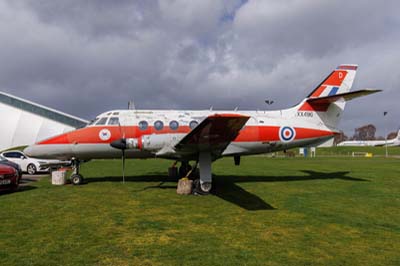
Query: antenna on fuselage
(131, 105)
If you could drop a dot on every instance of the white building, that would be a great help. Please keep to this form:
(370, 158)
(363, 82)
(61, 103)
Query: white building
(24, 122)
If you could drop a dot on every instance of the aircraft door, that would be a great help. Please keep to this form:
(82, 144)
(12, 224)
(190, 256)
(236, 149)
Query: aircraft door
(130, 126)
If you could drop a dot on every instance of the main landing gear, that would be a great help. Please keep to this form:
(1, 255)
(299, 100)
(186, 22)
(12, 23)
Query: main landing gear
(202, 177)
(76, 178)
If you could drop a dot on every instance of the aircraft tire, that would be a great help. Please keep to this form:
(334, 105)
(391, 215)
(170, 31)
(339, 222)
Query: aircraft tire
(76, 179)
(197, 188)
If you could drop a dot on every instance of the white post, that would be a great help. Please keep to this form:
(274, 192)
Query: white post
(386, 148)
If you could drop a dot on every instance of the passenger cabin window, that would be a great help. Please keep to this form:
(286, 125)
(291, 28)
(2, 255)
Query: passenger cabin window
(143, 125)
(173, 125)
(193, 124)
(102, 121)
(113, 121)
(158, 125)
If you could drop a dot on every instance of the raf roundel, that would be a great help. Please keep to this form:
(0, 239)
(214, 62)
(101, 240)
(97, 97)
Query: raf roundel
(287, 134)
(104, 134)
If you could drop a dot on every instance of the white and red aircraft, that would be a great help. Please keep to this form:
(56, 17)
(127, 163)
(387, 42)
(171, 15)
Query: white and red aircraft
(375, 143)
(205, 136)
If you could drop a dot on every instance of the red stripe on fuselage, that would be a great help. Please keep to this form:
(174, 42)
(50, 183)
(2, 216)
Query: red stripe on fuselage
(90, 135)
(306, 133)
(271, 133)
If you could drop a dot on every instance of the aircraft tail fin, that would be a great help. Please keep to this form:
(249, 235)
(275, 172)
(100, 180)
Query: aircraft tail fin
(329, 98)
(339, 81)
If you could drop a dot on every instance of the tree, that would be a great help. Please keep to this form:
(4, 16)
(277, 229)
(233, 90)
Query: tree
(392, 135)
(339, 138)
(366, 132)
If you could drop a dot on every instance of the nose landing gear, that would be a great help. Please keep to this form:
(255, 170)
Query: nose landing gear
(76, 178)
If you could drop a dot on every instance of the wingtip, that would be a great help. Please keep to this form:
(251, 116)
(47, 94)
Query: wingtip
(372, 90)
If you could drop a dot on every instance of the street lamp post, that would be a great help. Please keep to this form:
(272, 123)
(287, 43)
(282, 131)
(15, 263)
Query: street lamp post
(269, 102)
(386, 148)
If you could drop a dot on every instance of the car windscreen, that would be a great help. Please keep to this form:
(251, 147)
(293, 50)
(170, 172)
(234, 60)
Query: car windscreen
(12, 154)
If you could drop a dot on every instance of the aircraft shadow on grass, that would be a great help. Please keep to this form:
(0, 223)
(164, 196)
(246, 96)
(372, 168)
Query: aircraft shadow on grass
(20, 189)
(226, 188)
(25, 184)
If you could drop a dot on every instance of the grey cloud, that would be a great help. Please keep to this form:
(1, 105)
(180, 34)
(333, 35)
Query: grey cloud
(85, 57)
(94, 19)
(315, 28)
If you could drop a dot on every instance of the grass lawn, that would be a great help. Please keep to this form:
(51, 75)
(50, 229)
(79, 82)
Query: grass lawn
(268, 211)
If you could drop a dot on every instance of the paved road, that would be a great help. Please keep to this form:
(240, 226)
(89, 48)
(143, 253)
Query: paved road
(27, 179)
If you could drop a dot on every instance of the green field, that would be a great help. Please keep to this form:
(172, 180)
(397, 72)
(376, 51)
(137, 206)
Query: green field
(268, 211)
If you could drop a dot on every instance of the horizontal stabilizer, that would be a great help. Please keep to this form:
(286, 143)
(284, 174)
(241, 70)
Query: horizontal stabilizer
(345, 96)
(321, 104)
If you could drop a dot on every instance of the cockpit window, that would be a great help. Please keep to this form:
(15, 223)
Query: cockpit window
(102, 121)
(116, 113)
(93, 122)
(113, 121)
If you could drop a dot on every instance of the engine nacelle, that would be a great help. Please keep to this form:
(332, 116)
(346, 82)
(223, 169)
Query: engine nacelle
(132, 143)
(156, 142)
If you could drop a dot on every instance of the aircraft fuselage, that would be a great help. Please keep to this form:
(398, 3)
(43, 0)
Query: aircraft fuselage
(264, 132)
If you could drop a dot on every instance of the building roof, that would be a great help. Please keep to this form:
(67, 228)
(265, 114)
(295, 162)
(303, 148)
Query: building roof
(41, 110)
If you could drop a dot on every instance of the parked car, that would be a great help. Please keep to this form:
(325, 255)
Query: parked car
(32, 165)
(4, 161)
(9, 178)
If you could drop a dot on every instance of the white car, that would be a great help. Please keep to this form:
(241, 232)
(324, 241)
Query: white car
(31, 165)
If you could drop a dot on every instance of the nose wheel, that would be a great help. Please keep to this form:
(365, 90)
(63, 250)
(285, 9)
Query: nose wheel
(76, 178)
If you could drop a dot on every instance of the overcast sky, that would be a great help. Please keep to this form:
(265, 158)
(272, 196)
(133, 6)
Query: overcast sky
(86, 57)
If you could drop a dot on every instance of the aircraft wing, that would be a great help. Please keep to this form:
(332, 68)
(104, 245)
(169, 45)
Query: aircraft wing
(213, 134)
(345, 96)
